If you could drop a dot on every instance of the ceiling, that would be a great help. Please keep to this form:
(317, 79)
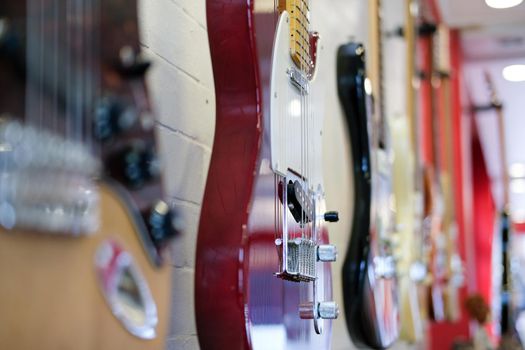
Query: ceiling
(491, 40)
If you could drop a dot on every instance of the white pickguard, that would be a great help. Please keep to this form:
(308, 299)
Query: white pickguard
(296, 120)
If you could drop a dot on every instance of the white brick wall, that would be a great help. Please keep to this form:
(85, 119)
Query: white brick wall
(181, 85)
(173, 35)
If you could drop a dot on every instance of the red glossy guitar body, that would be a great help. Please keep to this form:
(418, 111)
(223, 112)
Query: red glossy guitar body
(240, 303)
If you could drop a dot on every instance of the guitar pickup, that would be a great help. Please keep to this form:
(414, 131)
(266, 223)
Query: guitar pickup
(300, 206)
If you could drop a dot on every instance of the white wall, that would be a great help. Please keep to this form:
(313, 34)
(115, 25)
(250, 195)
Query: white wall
(181, 85)
(174, 37)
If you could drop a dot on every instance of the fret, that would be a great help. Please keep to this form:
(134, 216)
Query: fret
(299, 32)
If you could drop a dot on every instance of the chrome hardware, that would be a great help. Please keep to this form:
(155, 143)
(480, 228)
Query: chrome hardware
(328, 310)
(301, 260)
(46, 182)
(385, 267)
(418, 272)
(325, 310)
(26, 147)
(326, 253)
(299, 80)
(162, 223)
(126, 290)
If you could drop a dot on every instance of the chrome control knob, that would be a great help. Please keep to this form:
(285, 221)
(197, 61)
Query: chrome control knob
(326, 253)
(326, 310)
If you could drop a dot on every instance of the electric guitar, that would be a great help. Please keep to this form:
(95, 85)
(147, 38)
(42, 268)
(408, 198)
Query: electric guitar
(83, 227)
(407, 188)
(263, 276)
(434, 240)
(453, 279)
(369, 270)
(506, 317)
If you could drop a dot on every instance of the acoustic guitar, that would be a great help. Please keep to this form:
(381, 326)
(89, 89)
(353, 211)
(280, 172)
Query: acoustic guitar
(369, 270)
(263, 276)
(83, 227)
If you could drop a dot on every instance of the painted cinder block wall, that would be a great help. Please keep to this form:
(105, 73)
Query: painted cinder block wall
(174, 37)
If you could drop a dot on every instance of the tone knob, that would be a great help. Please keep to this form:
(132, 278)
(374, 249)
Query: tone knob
(112, 118)
(326, 253)
(136, 164)
(161, 224)
(328, 310)
(331, 216)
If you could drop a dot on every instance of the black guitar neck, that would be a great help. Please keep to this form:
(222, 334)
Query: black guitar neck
(506, 319)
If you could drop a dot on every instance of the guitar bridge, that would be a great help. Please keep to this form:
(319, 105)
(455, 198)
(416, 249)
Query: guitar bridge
(300, 261)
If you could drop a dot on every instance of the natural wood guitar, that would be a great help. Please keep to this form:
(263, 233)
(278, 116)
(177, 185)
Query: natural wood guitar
(83, 227)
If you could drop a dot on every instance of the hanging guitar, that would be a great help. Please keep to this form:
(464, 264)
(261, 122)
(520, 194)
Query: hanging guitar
(407, 187)
(434, 240)
(369, 271)
(262, 269)
(453, 275)
(506, 317)
(83, 228)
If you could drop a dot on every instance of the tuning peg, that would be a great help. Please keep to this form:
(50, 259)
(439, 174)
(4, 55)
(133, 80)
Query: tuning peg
(331, 216)
(131, 63)
(112, 118)
(135, 165)
(162, 224)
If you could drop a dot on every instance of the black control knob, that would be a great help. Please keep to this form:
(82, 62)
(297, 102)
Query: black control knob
(112, 118)
(161, 222)
(135, 165)
(331, 216)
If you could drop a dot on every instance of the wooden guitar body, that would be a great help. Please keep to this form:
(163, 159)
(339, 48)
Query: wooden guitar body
(83, 227)
(240, 301)
(51, 298)
(369, 283)
(408, 238)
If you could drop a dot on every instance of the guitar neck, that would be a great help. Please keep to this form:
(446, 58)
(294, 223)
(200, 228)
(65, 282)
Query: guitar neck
(375, 70)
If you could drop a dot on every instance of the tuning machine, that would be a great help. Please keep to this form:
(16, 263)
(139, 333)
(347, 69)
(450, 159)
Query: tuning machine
(132, 63)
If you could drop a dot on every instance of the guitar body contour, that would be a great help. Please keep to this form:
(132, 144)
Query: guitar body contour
(240, 302)
(50, 297)
(82, 239)
(369, 283)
